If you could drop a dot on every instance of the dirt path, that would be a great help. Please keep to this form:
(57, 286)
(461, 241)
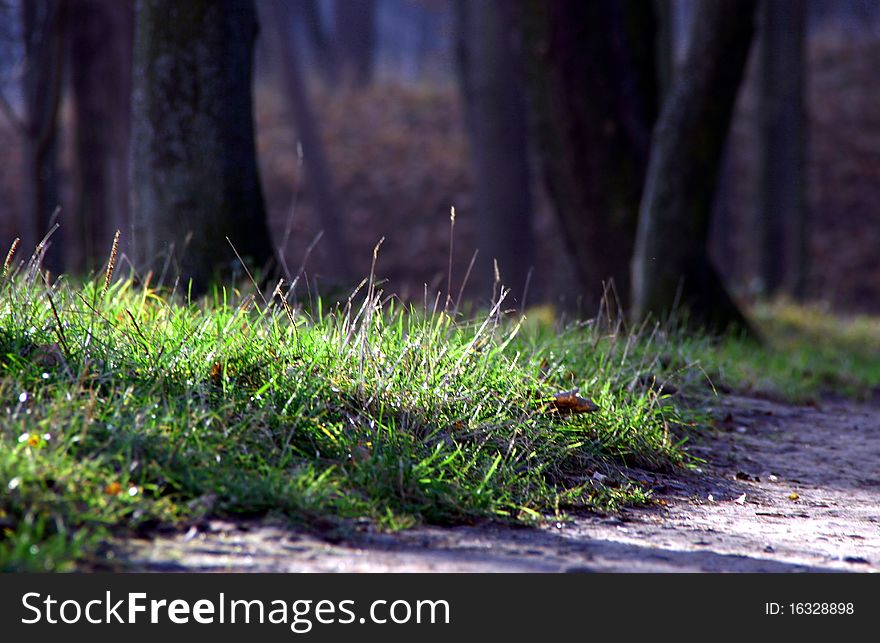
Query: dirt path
(784, 489)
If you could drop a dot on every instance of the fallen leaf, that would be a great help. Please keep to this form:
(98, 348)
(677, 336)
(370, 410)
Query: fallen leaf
(113, 489)
(793, 496)
(571, 402)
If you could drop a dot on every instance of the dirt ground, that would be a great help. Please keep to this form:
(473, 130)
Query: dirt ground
(783, 489)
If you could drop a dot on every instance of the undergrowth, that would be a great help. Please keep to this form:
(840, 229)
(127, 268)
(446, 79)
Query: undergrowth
(126, 407)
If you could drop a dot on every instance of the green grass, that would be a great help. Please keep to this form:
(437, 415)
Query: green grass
(127, 409)
(807, 353)
(133, 408)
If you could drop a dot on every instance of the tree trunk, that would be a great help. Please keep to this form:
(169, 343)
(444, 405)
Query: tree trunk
(320, 179)
(42, 31)
(356, 38)
(101, 35)
(194, 173)
(593, 86)
(492, 88)
(671, 264)
(780, 218)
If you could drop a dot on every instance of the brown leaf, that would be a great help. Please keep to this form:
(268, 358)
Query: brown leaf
(571, 402)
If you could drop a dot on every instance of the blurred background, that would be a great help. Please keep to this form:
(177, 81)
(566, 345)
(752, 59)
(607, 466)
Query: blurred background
(372, 118)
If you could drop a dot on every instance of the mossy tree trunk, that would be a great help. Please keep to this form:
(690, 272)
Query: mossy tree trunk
(593, 89)
(194, 175)
(492, 88)
(671, 265)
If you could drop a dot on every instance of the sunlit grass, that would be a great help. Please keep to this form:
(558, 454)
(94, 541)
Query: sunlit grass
(807, 352)
(127, 407)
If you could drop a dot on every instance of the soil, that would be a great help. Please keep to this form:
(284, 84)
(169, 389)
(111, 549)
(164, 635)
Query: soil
(782, 489)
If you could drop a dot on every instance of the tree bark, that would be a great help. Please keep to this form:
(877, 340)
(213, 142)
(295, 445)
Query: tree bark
(492, 88)
(592, 71)
(780, 217)
(671, 264)
(194, 173)
(42, 30)
(101, 41)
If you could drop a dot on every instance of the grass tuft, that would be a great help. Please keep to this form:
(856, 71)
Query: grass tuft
(125, 409)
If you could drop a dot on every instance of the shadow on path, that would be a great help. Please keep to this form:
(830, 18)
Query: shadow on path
(784, 489)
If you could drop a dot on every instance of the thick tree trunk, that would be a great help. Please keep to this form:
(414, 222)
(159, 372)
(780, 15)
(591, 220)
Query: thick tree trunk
(42, 30)
(101, 35)
(356, 38)
(780, 218)
(671, 264)
(594, 98)
(492, 88)
(194, 174)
